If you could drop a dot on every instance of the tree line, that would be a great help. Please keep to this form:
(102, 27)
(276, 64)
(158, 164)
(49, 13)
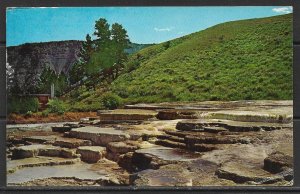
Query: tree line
(101, 58)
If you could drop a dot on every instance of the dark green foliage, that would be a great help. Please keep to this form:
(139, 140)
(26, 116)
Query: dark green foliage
(167, 44)
(78, 71)
(102, 33)
(109, 56)
(49, 77)
(56, 106)
(110, 100)
(22, 105)
(249, 59)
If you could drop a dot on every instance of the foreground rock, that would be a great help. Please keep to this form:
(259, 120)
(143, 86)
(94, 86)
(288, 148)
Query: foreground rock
(241, 172)
(191, 152)
(126, 115)
(276, 115)
(14, 165)
(234, 126)
(40, 139)
(41, 150)
(71, 142)
(99, 136)
(154, 157)
(115, 149)
(91, 154)
(103, 173)
(277, 162)
(61, 129)
(189, 173)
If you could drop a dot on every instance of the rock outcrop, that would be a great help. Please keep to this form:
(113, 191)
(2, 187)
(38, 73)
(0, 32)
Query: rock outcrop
(91, 154)
(42, 150)
(277, 161)
(31, 58)
(99, 136)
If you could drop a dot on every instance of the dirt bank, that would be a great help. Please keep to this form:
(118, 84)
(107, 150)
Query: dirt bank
(39, 118)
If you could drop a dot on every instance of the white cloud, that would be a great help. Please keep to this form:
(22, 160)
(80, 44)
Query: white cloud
(168, 29)
(283, 10)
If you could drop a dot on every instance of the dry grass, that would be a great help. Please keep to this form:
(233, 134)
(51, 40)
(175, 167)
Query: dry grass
(39, 118)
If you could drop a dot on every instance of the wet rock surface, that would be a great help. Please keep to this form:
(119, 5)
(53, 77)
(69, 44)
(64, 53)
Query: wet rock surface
(165, 144)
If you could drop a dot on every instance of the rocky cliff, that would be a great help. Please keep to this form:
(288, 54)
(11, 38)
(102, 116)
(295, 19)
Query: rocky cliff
(60, 56)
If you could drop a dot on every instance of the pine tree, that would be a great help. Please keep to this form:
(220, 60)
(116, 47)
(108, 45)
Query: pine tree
(121, 42)
(78, 71)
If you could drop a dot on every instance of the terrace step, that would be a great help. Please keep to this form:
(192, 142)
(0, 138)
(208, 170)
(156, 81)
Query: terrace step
(42, 150)
(71, 142)
(98, 135)
(91, 154)
(126, 115)
(233, 126)
(171, 144)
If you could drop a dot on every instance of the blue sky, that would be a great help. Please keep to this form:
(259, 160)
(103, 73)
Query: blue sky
(143, 24)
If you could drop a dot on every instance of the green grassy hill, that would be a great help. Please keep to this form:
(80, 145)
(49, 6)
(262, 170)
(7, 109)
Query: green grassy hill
(240, 60)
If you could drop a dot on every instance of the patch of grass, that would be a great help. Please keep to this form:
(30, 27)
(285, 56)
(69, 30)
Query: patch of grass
(241, 60)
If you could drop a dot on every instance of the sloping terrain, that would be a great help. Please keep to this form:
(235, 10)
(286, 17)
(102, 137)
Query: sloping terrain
(248, 59)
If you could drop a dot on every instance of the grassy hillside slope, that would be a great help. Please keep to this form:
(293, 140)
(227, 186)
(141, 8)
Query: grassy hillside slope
(249, 59)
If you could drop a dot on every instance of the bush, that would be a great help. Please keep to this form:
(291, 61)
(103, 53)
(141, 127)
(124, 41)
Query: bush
(45, 113)
(28, 114)
(22, 105)
(110, 100)
(56, 106)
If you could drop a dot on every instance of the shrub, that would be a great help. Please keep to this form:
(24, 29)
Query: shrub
(56, 106)
(45, 113)
(28, 113)
(110, 100)
(22, 105)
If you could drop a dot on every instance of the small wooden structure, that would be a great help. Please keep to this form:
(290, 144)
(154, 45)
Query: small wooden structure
(43, 100)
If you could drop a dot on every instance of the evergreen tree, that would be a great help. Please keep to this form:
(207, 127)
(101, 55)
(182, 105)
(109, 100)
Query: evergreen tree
(78, 71)
(121, 42)
(102, 33)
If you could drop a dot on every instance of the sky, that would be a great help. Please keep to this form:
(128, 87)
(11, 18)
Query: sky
(143, 24)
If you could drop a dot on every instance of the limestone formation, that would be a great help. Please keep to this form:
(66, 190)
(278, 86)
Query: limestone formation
(61, 129)
(14, 165)
(235, 126)
(91, 154)
(40, 139)
(99, 136)
(206, 151)
(177, 114)
(277, 161)
(27, 151)
(243, 172)
(115, 149)
(189, 173)
(126, 115)
(71, 142)
(41, 150)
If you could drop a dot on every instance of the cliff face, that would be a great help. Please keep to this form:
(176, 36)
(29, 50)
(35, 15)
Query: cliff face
(60, 56)
(26, 62)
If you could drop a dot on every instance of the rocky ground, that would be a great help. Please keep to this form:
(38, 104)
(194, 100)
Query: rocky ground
(167, 144)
